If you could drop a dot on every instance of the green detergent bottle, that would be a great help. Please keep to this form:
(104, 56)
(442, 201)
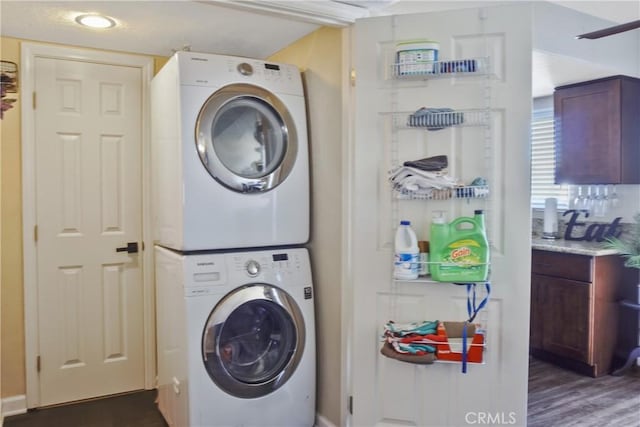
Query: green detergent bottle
(459, 250)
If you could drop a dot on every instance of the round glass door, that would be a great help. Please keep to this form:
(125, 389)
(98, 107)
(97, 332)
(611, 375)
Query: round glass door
(246, 138)
(253, 341)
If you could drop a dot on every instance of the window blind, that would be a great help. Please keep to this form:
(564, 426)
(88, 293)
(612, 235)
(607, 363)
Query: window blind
(543, 161)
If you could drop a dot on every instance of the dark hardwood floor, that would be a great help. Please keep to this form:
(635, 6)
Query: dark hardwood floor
(128, 410)
(558, 397)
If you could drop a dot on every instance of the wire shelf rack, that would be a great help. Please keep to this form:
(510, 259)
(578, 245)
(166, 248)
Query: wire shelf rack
(446, 68)
(440, 118)
(462, 192)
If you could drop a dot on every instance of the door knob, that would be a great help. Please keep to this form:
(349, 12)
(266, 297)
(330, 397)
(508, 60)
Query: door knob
(132, 248)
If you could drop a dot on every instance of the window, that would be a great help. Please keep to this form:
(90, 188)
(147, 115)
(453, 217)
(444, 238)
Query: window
(543, 161)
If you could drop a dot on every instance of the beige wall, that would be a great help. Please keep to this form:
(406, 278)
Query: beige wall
(319, 57)
(12, 356)
(12, 333)
(1, 412)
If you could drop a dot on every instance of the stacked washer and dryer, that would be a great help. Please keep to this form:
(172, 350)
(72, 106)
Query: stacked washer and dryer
(235, 312)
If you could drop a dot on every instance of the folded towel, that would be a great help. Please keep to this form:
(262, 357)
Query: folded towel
(402, 329)
(388, 351)
(411, 338)
(411, 180)
(412, 348)
(434, 179)
(432, 164)
(435, 118)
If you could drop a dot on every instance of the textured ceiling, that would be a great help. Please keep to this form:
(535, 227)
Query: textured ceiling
(154, 27)
(245, 28)
(253, 28)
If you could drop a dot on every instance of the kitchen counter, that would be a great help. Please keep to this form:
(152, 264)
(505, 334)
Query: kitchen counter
(571, 247)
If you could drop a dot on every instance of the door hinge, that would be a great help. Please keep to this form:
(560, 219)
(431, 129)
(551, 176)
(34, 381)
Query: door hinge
(352, 77)
(34, 100)
(38, 363)
(35, 233)
(142, 246)
(351, 405)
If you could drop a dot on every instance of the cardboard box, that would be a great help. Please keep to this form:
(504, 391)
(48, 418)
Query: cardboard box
(451, 346)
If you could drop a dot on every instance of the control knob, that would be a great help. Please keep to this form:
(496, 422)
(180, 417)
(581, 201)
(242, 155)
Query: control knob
(253, 268)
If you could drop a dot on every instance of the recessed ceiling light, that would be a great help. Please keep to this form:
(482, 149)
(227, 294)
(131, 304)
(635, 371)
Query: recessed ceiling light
(95, 21)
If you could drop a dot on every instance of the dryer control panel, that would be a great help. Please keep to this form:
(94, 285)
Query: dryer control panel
(201, 69)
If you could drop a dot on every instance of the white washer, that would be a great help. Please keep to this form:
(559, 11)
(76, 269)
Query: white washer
(236, 338)
(229, 153)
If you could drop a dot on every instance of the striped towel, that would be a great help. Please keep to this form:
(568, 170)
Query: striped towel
(435, 118)
(416, 338)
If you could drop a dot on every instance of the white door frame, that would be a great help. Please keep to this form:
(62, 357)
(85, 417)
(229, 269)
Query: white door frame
(30, 51)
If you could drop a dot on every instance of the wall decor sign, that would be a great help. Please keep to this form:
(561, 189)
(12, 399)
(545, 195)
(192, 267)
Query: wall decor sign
(590, 232)
(8, 84)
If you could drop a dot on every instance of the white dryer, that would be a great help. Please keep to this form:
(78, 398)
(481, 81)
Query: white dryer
(229, 153)
(236, 338)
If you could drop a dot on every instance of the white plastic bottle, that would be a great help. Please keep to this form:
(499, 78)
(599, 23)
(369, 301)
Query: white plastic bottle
(405, 266)
(423, 257)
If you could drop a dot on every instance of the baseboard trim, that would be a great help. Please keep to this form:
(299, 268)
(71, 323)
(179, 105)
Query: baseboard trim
(323, 422)
(14, 405)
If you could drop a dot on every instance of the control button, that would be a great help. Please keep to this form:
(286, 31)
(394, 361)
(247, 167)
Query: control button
(253, 268)
(245, 69)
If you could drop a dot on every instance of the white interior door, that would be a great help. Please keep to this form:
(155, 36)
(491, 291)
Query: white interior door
(88, 143)
(386, 391)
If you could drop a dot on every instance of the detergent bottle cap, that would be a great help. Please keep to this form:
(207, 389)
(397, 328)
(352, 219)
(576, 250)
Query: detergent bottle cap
(405, 222)
(438, 217)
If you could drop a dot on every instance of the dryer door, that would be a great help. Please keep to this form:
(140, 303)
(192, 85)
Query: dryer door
(253, 340)
(246, 138)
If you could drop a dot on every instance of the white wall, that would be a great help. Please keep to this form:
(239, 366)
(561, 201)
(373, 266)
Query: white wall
(555, 28)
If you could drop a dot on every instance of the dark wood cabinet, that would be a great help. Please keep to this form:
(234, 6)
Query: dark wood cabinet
(574, 310)
(565, 320)
(597, 131)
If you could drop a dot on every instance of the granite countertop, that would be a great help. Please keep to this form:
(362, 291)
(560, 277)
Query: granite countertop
(572, 247)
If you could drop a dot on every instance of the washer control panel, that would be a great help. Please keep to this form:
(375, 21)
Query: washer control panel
(266, 266)
(208, 274)
(216, 273)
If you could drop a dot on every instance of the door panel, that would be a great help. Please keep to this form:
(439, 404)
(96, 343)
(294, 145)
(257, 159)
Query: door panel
(567, 319)
(388, 392)
(88, 196)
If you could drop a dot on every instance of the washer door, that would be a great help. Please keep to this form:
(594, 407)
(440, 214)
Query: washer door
(246, 138)
(253, 340)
